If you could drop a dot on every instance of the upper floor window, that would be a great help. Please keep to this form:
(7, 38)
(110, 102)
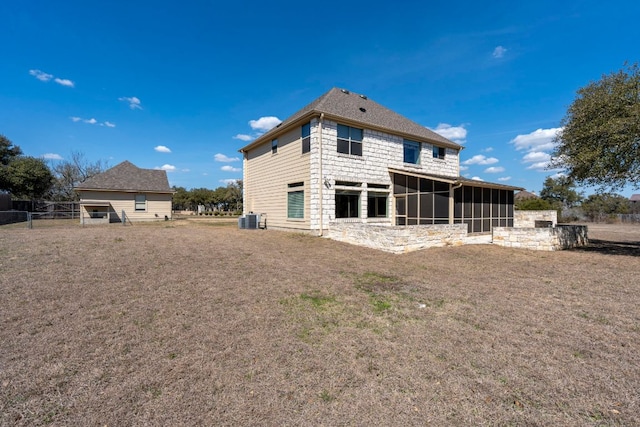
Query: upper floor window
(349, 140)
(411, 152)
(274, 146)
(306, 138)
(438, 152)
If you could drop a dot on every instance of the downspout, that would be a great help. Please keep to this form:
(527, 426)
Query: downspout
(320, 180)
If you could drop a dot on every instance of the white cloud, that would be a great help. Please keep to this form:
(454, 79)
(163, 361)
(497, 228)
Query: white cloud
(538, 140)
(224, 159)
(480, 159)
(92, 121)
(494, 169)
(488, 149)
(168, 168)
(539, 166)
(454, 133)
(464, 168)
(477, 178)
(499, 52)
(52, 156)
(243, 137)
(264, 124)
(41, 75)
(228, 168)
(64, 82)
(45, 77)
(536, 156)
(558, 175)
(134, 102)
(162, 149)
(504, 178)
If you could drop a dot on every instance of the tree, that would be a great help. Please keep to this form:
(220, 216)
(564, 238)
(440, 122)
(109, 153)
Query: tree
(201, 196)
(20, 175)
(560, 192)
(602, 206)
(600, 141)
(533, 204)
(233, 195)
(28, 177)
(180, 198)
(8, 151)
(68, 174)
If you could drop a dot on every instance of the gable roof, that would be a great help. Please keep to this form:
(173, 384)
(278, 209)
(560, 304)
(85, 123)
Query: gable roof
(126, 176)
(340, 104)
(523, 195)
(635, 198)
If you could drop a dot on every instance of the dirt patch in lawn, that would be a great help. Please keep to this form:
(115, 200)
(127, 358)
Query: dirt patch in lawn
(194, 324)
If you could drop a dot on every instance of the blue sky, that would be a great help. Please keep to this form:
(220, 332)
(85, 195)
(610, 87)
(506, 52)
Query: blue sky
(183, 85)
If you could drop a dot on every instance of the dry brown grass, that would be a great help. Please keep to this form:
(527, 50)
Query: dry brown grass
(196, 323)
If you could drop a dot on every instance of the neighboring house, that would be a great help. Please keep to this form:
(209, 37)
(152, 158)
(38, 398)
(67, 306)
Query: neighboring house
(345, 158)
(524, 195)
(139, 194)
(635, 199)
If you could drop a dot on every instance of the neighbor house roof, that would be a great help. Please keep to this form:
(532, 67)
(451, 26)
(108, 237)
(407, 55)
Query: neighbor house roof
(523, 195)
(341, 104)
(635, 198)
(126, 176)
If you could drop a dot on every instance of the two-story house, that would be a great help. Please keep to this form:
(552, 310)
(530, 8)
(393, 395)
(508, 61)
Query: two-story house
(346, 158)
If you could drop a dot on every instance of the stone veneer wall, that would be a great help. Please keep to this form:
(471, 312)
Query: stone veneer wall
(542, 239)
(399, 239)
(526, 219)
(380, 151)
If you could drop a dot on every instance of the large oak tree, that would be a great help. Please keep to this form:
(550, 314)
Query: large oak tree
(600, 142)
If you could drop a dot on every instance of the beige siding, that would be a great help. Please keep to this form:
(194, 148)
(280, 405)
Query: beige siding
(267, 177)
(158, 205)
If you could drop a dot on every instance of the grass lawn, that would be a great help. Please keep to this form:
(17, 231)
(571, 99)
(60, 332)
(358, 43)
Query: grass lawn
(198, 323)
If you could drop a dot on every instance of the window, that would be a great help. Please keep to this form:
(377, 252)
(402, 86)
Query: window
(438, 152)
(306, 138)
(274, 146)
(295, 201)
(349, 140)
(411, 152)
(141, 202)
(347, 204)
(377, 205)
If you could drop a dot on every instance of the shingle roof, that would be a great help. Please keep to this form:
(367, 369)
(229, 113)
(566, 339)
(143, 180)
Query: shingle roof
(635, 198)
(523, 195)
(126, 176)
(456, 180)
(346, 105)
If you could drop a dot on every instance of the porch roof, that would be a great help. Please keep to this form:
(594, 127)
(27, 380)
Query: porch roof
(94, 203)
(455, 180)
